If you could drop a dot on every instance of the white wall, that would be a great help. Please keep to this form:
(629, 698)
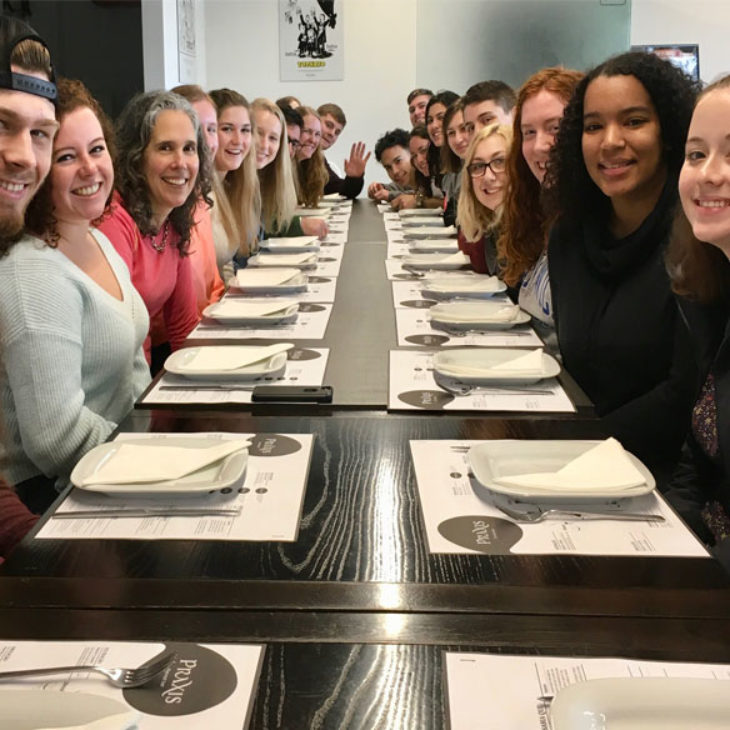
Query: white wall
(706, 22)
(242, 49)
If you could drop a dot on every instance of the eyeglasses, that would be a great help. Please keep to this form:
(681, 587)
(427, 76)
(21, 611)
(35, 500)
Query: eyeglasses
(497, 166)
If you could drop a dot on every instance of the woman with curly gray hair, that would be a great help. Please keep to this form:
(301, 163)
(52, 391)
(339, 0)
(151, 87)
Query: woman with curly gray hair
(162, 171)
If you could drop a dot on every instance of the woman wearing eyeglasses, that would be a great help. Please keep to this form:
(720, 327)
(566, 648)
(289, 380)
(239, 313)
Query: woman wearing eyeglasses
(483, 187)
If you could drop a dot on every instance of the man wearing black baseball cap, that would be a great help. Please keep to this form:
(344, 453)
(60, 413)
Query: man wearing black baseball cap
(27, 122)
(27, 127)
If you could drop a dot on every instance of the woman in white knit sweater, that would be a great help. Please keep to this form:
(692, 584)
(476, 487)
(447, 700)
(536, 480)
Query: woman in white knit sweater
(71, 324)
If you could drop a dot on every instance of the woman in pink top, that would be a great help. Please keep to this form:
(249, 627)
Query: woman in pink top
(162, 172)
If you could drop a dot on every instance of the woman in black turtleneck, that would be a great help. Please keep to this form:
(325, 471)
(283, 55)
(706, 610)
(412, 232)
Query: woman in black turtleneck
(613, 181)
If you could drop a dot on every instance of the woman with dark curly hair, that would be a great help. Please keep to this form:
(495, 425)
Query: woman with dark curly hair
(522, 245)
(72, 348)
(162, 172)
(612, 182)
(699, 264)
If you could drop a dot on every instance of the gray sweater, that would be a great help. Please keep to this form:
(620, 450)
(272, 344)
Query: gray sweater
(72, 359)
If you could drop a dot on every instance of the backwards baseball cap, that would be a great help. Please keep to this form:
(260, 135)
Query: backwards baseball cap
(12, 33)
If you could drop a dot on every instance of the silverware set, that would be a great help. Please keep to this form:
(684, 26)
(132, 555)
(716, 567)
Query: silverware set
(149, 512)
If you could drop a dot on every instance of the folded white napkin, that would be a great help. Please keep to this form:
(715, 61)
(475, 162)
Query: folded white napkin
(531, 361)
(230, 357)
(429, 244)
(284, 259)
(463, 283)
(416, 212)
(430, 231)
(155, 462)
(475, 312)
(265, 277)
(606, 466)
(232, 308)
(319, 212)
(290, 242)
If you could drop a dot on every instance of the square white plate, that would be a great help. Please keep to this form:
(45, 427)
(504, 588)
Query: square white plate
(466, 286)
(422, 220)
(219, 475)
(480, 361)
(643, 703)
(179, 363)
(496, 459)
(430, 232)
(437, 261)
(300, 260)
(433, 245)
(241, 311)
(460, 315)
(415, 212)
(290, 244)
(270, 281)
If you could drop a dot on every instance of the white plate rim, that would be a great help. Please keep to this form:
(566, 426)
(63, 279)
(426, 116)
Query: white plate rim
(478, 462)
(274, 366)
(551, 367)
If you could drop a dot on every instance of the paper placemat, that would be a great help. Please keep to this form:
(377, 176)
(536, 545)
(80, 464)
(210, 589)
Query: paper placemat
(336, 237)
(507, 689)
(394, 270)
(270, 498)
(412, 387)
(213, 685)
(328, 266)
(311, 324)
(457, 521)
(407, 295)
(414, 328)
(304, 366)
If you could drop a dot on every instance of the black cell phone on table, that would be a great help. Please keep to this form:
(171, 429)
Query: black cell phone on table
(292, 394)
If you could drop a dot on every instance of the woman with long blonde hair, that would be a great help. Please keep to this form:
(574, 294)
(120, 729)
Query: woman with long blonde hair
(278, 194)
(239, 214)
(311, 170)
(483, 187)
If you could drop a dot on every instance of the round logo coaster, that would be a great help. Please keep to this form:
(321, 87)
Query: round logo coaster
(489, 535)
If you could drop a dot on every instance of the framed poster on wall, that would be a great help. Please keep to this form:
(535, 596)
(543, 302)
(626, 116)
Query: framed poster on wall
(311, 40)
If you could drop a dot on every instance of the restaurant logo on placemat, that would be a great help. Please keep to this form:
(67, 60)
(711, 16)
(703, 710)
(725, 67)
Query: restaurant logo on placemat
(197, 680)
(273, 444)
(430, 399)
(307, 307)
(490, 535)
(300, 353)
(418, 303)
(427, 340)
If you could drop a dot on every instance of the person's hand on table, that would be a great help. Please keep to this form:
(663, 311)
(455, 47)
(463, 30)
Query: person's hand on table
(377, 191)
(355, 165)
(405, 200)
(315, 227)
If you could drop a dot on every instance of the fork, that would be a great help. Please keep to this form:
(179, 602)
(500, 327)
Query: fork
(541, 515)
(464, 390)
(118, 676)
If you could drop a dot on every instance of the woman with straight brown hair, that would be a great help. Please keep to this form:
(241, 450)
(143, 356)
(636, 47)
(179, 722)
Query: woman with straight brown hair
(311, 170)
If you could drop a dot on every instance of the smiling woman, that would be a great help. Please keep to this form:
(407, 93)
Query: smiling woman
(163, 171)
(311, 170)
(612, 181)
(83, 332)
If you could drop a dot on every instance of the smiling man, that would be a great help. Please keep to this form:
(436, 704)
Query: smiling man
(488, 102)
(333, 122)
(392, 152)
(27, 127)
(417, 103)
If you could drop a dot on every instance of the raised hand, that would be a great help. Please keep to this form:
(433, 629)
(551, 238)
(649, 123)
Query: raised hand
(355, 166)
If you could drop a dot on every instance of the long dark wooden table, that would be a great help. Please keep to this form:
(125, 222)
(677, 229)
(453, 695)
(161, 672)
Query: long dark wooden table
(355, 624)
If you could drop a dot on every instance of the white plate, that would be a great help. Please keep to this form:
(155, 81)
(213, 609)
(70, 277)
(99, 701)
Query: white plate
(300, 260)
(477, 315)
(437, 261)
(34, 709)
(219, 475)
(178, 364)
(430, 232)
(415, 212)
(643, 703)
(422, 220)
(320, 211)
(483, 359)
(270, 281)
(433, 245)
(497, 459)
(469, 286)
(233, 311)
(291, 244)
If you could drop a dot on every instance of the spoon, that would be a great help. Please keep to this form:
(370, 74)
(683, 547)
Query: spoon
(541, 515)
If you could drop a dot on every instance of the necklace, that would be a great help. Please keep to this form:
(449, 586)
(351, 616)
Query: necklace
(160, 247)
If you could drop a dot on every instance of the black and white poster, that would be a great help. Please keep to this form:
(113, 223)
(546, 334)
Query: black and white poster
(311, 40)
